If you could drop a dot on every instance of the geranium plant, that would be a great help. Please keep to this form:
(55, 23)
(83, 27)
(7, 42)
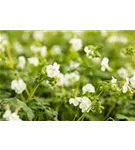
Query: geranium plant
(67, 75)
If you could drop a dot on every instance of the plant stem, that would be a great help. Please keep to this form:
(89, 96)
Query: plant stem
(10, 57)
(83, 115)
(22, 97)
(34, 89)
(27, 92)
(109, 112)
(76, 114)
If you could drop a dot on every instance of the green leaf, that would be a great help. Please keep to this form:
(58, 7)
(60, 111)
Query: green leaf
(123, 117)
(4, 94)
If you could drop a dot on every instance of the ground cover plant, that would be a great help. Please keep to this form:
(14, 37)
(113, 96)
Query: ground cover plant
(67, 75)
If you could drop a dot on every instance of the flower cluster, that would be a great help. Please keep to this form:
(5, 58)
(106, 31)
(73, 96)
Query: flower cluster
(45, 73)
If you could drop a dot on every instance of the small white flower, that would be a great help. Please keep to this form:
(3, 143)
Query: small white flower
(76, 43)
(117, 39)
(105, 65)
(73, 65)
(14, 117)
(62, 80)
(114, 80)
(18, 85)
(72, 78)
(122, 72)
(7, 114)
(88, 88)
(18, 48)
(104, 33)
(56, 49)
(89, 52)
(53, 70)
(34, 61)
(74, 101)
(38, 35)
(132, 81)
(35, 49)
(22, 62)
(43, 51)
(85, 104)
(126, 86)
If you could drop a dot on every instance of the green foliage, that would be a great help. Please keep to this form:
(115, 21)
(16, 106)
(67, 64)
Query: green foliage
(43, 99)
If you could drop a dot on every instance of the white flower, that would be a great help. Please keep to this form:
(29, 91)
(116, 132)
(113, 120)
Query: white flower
(117, 39)
(35, 49)
(43, 51)
(114, 80)
(22, 62)
(18, 47)
(56, 49)
(122, 72)
(67, 79)
(85, 104)
(76, 43)
(38, 35)
(53, 70)
(126, 86)
(34, 61)
(105, 65)
(132, 81)
(18, 85)
(74, 101)
(62, 80)
(72, 78)
(7, 114)
(104, 33)
(14, 117)
(89, 52)
(88, 88)
(73, 65)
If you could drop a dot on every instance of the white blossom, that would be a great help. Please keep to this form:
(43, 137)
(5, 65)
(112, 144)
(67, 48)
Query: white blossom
(125, 87)
(105, 65)
(117, 39)
(67, 79)
(7, 114)
(38, 35)
(14, 117)
(85, 104)
(22, 62)
(43, 51)
(35, 49)
(132, 81)
(53, 70)
(73, 65)
(34, 61)
(18, 85)
(62, 80)
(88, 88)
(72, 78)
(56, 49)
(19, 48)
(122, 72)
(76, 44)
(104, 33)
(89, 52)
(74, 101)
